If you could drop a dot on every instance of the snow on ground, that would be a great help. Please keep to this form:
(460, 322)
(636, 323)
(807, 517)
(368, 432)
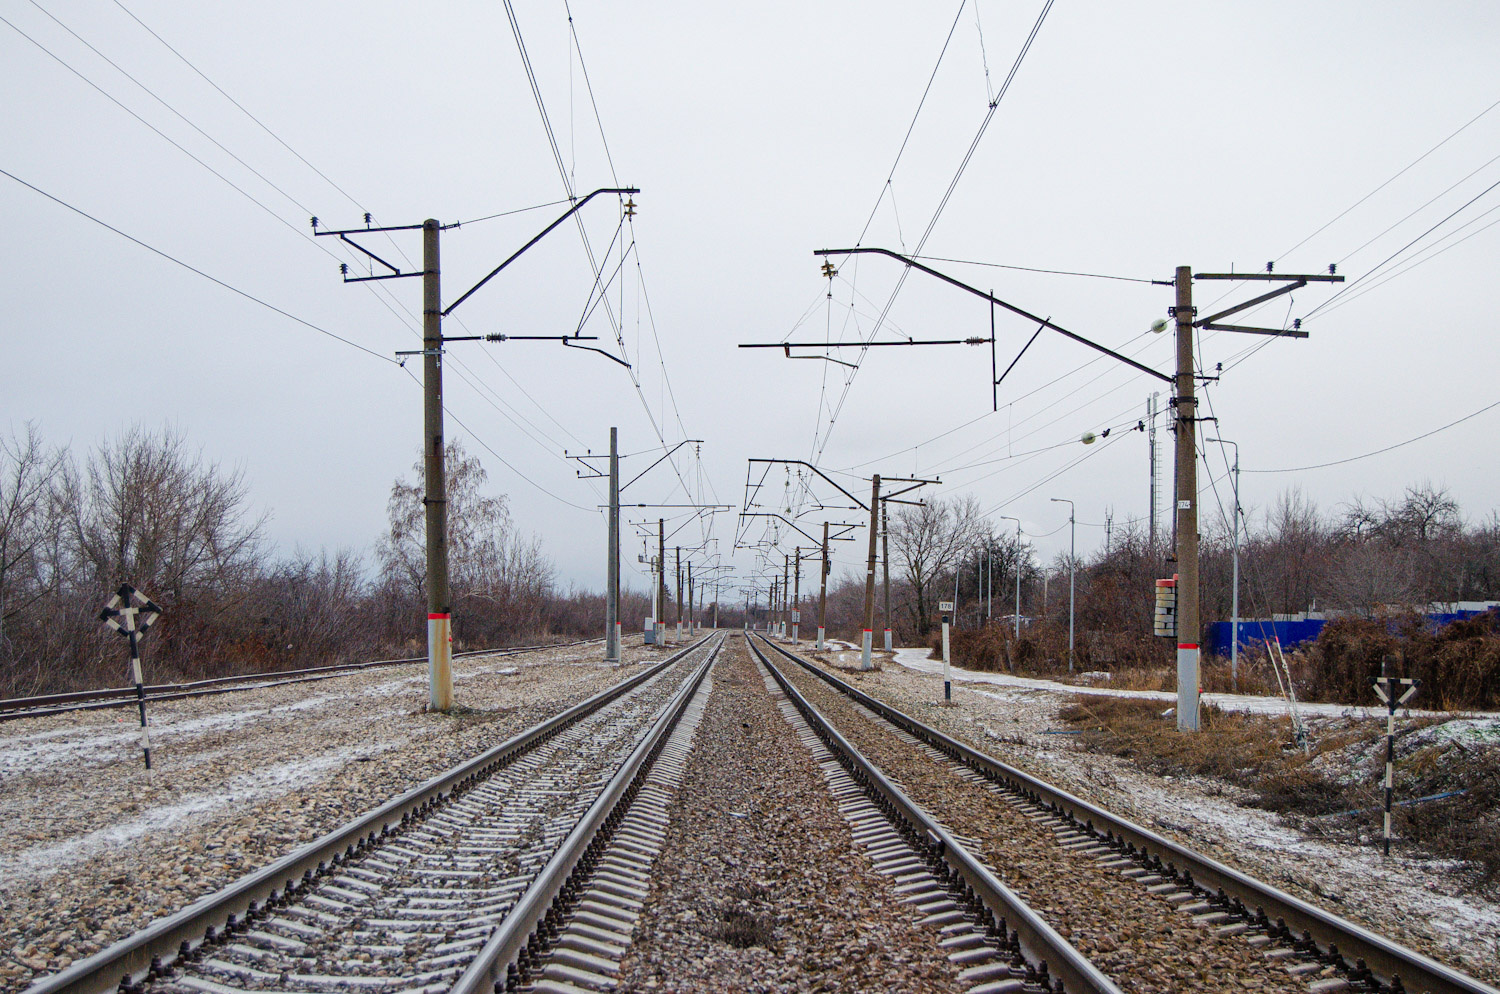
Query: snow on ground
(916, 659)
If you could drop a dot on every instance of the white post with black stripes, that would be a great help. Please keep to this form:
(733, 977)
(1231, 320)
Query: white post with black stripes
(1385, 690)
(130, 613)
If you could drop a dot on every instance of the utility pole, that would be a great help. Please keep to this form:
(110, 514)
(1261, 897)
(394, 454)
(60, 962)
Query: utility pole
(1006, 517)
(435, 498)
(885, 560)
(823, 592)
(797, 596)
(1187, 508)
(864, 654)
(786, 578)
(679, 594)
(612, 599)
(690, 598)
(661, 575)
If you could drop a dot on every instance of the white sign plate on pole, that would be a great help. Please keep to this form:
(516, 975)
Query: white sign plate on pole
(946, 606)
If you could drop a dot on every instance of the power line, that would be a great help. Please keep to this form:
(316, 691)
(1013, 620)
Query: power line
(1030, 269)
(505, 462)
(237, 104)
(932, 222)
(912, 126)
(1402, 249)
(192, 269)
(152, 93)
(1399, 173)
(518, 210)
(1376, 452)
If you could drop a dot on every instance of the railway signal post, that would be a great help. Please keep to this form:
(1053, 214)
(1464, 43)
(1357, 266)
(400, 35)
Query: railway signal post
(1385, 688)
(131, 613)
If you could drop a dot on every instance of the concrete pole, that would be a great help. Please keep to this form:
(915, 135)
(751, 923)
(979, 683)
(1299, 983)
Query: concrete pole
(1017, 619)
(1186, 509)
(612, 596)
(661, 577)
(1072, 569)
(797, 596)
(1234, 611)
(864, 653)
(690, 613)
(823, 592)
(786, 585)
(885, 561)
(439, 610)
(679, 594)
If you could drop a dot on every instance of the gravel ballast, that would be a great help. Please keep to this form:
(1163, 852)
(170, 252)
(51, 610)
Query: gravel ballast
(759, 886)
(1138, 940)
(96, 847)
(1421, 904)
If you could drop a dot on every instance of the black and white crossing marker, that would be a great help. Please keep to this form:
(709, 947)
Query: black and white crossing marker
(1385, 689)
(130, 613)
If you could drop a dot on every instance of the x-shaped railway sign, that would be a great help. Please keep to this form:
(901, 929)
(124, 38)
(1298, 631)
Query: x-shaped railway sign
(129, 610)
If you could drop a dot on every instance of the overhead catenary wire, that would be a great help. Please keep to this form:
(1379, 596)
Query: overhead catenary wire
(821, 444)
(615, 324)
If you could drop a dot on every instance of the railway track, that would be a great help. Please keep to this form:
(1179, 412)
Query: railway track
(120, 697)
(437, 887)
(1325, 952)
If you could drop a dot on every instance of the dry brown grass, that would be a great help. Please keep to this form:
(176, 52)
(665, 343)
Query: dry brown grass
(1256, 752)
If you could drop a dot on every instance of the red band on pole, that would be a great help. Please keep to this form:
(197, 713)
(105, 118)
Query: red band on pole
(1187, 645)
(438, 617)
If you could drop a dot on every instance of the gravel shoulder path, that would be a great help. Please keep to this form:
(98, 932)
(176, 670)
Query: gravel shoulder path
(759, 887)
(1419, 903)
(96, 847)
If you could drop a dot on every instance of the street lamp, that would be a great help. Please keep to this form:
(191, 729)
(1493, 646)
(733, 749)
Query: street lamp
(1006, 517)
(1072, 562)
(1234, 611)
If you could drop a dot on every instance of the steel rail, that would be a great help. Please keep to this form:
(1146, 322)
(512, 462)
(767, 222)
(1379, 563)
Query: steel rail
(114, 697)
(163, 940)
(1386, 959)
(489, 970)
(1039, 941)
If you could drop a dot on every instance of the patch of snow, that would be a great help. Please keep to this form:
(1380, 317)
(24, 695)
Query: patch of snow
(251, 786)
(916, 659)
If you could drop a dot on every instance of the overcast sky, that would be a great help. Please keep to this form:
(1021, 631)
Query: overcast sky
(1134, 138)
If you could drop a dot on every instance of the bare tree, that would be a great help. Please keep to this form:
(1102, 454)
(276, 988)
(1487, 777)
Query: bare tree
(928, 543)
(489, 562)
(28, 475)
(147, 511)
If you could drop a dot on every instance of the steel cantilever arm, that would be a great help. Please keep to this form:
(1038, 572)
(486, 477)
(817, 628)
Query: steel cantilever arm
(539, 236)
(1044, 322)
